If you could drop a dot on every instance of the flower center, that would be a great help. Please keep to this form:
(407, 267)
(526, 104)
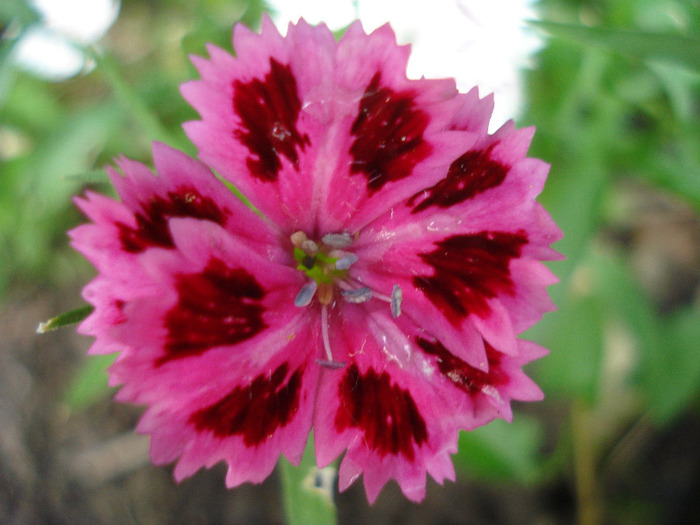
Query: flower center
(325, 264)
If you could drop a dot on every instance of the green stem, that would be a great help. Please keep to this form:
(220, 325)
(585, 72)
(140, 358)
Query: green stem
(589, 506)
(131, 101)
(308, 491)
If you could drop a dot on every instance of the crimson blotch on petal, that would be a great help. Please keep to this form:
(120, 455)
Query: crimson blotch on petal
(378, 299)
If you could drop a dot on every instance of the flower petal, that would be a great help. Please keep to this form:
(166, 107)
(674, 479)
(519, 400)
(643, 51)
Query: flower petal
(212, 292)
(246, 413)
(123, 230)
(400, 401)
(218, 345)
(251, 130)
(320, 134)
(419, 242)
(469, 244)
(378, 411)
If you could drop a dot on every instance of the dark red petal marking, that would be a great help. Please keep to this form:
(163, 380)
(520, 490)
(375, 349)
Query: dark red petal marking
(469, 269)
(472, 173)
(269, 110)
(465, 377)
(219, 306)
(254, 411)
(386, 414)
(120, 317)
(389, 135)
(152, 223)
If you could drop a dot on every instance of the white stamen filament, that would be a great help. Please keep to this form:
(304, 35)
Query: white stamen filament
(381, 297)
(394, 300)
(324, 332)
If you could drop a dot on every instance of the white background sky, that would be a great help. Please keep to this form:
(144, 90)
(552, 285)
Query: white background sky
(478, 42)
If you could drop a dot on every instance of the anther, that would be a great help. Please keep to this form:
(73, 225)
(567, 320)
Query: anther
(358, 295)
(306, 293)
(309, 247)
(337, 240)
(298, 238)
(346, 261)
(396, 297)
(330, 364)
(325, 293)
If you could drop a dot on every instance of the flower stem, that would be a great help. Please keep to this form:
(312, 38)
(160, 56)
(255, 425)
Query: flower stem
(131, 100)
(589, 507)
(308, 491)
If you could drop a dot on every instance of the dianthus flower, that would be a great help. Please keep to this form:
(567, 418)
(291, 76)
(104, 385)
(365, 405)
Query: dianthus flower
(376, 300)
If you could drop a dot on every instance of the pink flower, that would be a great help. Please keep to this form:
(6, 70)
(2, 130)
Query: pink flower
(377, 302)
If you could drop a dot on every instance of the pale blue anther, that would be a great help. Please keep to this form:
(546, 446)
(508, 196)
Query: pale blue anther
(396, 297)
(306, 294)
(359, 295)
(337, 240)
(346, 261)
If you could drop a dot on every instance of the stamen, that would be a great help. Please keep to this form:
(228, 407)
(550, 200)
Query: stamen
(358, 295)
(310, 247)
(346, 261)
(306, 294)
(325, 293)
(324, 332)
(330, 364)
(298, 238)
(337, 240)
(396, 297)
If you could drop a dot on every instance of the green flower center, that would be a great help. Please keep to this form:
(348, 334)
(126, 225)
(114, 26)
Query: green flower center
(320, 267)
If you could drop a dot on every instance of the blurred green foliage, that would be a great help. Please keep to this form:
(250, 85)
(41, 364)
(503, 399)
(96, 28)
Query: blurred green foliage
(616, 100)
(309, 495)
(614, 94)
(55, 138)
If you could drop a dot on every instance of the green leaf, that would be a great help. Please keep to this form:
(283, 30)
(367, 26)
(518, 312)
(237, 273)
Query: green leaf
(669, 369)
(19, 11)
(573, 367)
(502, 450)
(7, 67)
(65, 319)
(90, 383)
(676, 380)
(89, 177)
(676, 166)
(625, 301)
(132, 102)
(680, 86)
(339, 33)
(32, 106)
(663, 47)
(308, 490)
